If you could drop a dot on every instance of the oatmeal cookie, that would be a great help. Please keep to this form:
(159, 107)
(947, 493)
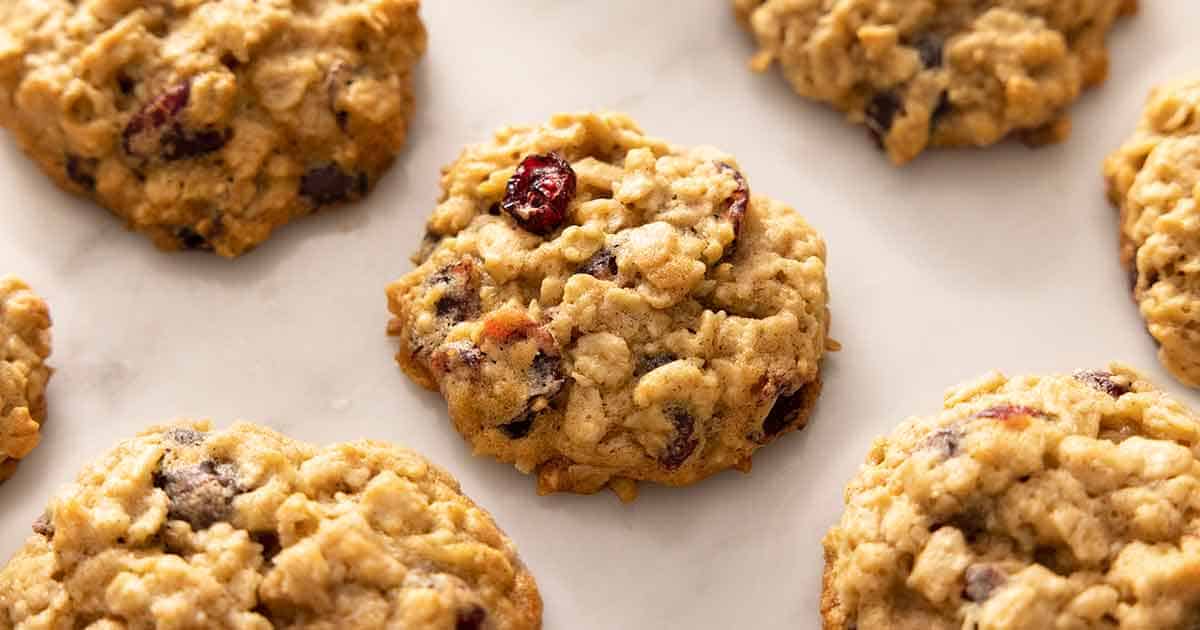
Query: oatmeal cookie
(185, 527)
(206, 124)
(24, 346)
(1153, 178)
(598, 307)
(922, 73)
(1027, 503)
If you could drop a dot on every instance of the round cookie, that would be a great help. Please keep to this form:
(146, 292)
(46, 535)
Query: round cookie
(921, 73)
(206, 124)
(185, 527)
(599, 307)
(24, 347)
(1153, 179)
(1027, 503)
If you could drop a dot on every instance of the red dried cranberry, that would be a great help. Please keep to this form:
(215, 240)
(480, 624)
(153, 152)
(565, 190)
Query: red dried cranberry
(539, 192)
(684, 443)
(738, 202)
(1013, 416)
(1103, 381)
(155, 130)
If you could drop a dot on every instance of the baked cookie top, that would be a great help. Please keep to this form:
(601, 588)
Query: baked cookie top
(24, 347)
(1032, 502)
(208, 123)
(922, 73)
(598, 306)
(186, 527)
(1153, 179)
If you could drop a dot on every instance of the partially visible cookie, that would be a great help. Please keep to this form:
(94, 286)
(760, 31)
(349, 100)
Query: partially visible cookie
(24, 347)
(1064, 501)
(187, 527)
(600, 307)
(206, 124)
(1153, 178)
(922, 73)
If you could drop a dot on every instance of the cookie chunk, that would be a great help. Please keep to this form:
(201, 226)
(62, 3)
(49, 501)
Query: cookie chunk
(206, 124)
(922, 73)
(598, 307)
(1065, 501)
(24, 346)
(185, 527)
(1153, 179)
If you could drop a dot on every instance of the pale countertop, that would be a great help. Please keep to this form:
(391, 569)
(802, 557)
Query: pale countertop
(963, 262)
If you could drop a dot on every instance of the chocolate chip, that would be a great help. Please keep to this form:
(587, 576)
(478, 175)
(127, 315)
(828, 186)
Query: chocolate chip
(191, 239)
(80, 170)
(881, 113)
(328, 184)
(519, 428)
(786, 411)
(1103, 381)
(545, 375)
(470, 618)
(460, 300)
(43, 526)
(683, 443)
(945, 442)
(201, 494)
(269, 541)
(652, 362)
(981, 581)
(602, 264)
(929, 47)
(185, 437)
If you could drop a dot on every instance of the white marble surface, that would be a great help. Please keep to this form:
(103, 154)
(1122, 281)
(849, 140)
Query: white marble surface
(963, 262)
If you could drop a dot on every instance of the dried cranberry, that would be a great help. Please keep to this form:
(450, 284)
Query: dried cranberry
(1103, 381)
(330, 184)
(684, 443)
(156, 131)
(881, 113)
(1015, 416)
(946, 442)
(80, 170)
(201, 494)
(181, 143)
(470, 618)
(787, 410)
(602, 264)
(738, 202)
(981, 581)
(539, 192)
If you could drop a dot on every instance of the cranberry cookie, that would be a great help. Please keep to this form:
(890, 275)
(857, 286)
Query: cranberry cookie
(1027, 503)
(206, 124)
(598, 307)
(1153, 178)
(184, 527)
(24, 346)
(922, 73)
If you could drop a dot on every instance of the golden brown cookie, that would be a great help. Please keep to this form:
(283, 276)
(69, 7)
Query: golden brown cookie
(187, 527)
(921, 73)
(1064, 501)
(24, 347)
(1153, 179)
(599, 307)
(206, 124)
